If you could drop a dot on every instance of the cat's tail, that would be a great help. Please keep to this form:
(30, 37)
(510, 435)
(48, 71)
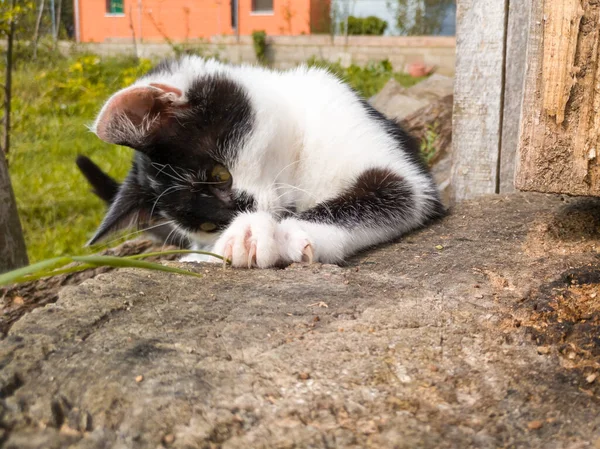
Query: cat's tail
(102, 184)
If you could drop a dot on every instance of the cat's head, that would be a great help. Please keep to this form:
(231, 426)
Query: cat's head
(185, 141)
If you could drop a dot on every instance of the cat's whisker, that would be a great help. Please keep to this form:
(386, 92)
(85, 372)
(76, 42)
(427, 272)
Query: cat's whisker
(139, 231)
(207, 182)
(162, 168)
(166, 243)
(297, 161)
(307, 193)
(172, 188)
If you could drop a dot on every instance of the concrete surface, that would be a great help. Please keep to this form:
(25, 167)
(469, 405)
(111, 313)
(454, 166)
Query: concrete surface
(453, 337)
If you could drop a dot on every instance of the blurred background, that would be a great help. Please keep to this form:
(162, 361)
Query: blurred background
(66, 57)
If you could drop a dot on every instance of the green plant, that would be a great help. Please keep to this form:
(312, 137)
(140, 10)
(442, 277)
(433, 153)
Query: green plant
(367, 80)
(259, 39)
(429, 143)
(56, 266)
(370, 26)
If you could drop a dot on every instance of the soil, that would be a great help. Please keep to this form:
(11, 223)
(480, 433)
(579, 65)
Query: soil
(478, 331)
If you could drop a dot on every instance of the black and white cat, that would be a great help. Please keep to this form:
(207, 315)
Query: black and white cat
(263, 167)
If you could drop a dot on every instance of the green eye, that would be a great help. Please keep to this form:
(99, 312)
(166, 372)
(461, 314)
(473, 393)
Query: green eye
(208, 227)
(220, 174)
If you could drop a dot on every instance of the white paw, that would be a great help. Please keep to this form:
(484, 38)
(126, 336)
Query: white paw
(294, 243)
(250, 241)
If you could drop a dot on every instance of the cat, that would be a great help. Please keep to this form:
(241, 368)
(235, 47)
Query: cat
(263, 167)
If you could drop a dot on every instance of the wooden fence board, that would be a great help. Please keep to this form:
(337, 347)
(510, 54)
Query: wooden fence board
(516, 61)
(478, 96)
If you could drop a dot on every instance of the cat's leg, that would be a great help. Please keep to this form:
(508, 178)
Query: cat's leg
(380, 206)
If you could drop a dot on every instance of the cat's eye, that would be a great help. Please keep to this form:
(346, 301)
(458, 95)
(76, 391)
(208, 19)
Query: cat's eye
(208, 226)
(220, 174)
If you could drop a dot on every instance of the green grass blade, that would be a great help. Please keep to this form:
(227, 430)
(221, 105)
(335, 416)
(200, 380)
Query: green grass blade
(52, 273)
(45, 266)
(174, 251)
(120, 262)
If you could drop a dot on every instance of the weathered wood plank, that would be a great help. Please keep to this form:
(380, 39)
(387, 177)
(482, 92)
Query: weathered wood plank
(516, 60)
(478, 96)
(558, 148)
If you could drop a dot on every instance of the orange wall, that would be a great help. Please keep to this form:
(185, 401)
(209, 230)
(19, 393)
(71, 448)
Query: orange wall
(289, 17)
(189, 19)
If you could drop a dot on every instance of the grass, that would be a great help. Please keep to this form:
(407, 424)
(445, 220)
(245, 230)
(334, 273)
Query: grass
(52, 107)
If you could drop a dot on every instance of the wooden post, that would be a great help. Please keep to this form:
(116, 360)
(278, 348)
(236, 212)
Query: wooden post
(560, 133)
(519, 12)
(490, 66)
(478, 96)
(13, 253)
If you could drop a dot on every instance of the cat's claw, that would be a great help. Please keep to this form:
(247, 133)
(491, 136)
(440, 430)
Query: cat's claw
(249, 241)
(307, 254)
(252, 255)
(227, 255)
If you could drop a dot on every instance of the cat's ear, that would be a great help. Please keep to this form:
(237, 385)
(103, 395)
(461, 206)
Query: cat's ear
(129, 209)
(135, 116)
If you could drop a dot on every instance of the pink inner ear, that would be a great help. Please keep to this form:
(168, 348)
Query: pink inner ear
(134, 103)
(167, 88)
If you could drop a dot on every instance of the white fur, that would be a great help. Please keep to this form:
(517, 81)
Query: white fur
(311, 139)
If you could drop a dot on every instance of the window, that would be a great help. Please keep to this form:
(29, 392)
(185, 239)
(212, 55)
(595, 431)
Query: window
(114, 7)
(262, 6)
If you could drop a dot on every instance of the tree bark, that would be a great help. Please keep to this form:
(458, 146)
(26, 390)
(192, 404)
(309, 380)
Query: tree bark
(58, 14)
(13, 253)
(8, 83)
(36, 33)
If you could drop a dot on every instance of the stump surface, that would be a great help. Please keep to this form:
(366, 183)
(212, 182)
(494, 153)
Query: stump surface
(478, 331)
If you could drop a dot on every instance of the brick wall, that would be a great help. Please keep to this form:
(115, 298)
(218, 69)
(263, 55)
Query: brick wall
(288, 51)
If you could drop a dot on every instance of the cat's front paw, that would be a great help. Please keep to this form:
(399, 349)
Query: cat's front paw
(249, 241)
(294, 243)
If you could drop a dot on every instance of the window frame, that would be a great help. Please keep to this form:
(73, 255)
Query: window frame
(262, 12)
(111, 10)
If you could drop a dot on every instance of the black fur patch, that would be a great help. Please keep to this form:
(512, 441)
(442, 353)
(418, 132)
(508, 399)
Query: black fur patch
(378, 198)
(407, 142)
(410, 146)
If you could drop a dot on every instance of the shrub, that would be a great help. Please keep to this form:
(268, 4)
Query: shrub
(370, 26)
(259, 38)
(367, 80)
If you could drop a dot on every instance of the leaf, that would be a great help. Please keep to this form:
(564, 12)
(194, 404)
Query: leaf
(121, 262)
(174, 251)
(43, 266)
(48, 268)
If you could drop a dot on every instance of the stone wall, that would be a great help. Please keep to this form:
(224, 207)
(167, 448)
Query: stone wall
(288, 51)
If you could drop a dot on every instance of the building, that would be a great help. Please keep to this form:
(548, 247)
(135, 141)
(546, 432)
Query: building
(181, 20)
(386, 10)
